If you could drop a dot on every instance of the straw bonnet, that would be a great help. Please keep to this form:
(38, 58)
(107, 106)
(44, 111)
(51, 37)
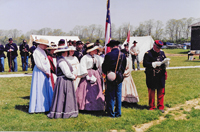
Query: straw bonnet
(61, 49)
(71, 48)
(91, 47)
(43, 41)
(52, 46)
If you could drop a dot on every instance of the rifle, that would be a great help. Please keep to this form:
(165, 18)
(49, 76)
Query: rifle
(24, 62)
(10, 62)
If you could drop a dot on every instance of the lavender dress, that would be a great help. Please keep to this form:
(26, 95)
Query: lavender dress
(64, 104)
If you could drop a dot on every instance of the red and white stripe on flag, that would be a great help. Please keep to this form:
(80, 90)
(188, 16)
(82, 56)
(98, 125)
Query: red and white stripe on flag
(108, 28)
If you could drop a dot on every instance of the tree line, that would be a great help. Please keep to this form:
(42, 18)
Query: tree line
(175, 30)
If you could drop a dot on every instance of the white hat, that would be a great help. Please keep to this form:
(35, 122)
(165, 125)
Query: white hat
(91, 47)
(61, 49)
(71, 48)
(42, 41)
(52, 46)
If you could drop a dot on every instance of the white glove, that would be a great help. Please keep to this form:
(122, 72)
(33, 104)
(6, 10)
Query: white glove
(155, 64)
(167, 63)
(88, 78)
(93, 79)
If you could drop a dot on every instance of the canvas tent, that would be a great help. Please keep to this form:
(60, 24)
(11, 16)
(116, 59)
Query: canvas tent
(52, 38)
(145, 43)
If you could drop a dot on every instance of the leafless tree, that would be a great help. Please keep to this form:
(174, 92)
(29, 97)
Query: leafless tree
(158, 30)
(149, 26)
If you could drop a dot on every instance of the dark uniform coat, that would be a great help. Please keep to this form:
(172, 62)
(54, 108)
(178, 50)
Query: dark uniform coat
(78, 54)
(22, 47)
(2, 51)
(14, 52)
(110, 61)
(155, 77)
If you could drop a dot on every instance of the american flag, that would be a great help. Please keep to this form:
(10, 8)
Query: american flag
(108, 28)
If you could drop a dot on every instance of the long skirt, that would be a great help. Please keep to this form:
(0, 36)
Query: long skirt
(129, 91)
(89, 95)
(64, 104)
(41, 92)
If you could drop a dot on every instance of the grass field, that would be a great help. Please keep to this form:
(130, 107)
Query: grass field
(182, 85)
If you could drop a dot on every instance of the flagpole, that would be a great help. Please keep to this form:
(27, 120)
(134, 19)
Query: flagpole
(107, 28)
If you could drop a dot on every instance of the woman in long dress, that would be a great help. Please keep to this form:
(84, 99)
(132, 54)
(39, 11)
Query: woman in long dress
(89, 92)
(73, 60)
(64, 104)
(129, 91)
(41, 89)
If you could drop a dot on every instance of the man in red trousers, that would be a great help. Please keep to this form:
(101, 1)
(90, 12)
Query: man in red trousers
(155, 63)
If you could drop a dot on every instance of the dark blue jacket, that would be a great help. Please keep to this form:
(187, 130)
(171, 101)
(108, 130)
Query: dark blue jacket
(110, 61)
(22, 47)
(14, 52)
(155, 77)
(78, 54)
(2, 49)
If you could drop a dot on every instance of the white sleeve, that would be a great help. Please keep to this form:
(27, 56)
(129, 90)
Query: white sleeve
(65, 69)
(41, 62)
(82, 70)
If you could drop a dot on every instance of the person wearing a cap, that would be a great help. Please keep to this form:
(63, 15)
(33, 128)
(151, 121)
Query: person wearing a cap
(2, 57)
(85, 47)
(129, 91)
(79, 50)
(52, 60)
(89, 93)
(41, 92)
(11, 49)
(74, 62)
(134, 51)
(31, 50)
(64, 104)
(24, 52)
(113, 88)
(97, 43)
(74, 43)
(156, 75)
(61, 42)
(69, 43)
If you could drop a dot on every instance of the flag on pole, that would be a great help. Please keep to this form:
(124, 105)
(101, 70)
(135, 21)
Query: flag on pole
(128, 34)
(108, 28)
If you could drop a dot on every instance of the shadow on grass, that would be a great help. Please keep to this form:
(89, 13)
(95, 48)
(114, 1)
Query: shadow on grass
(26, 97)
(134, 105)
(94, 113)
(186, 52)
(23, 108)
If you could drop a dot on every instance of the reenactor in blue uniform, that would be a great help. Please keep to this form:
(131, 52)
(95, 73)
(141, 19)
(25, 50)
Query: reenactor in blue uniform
(11, 49)
(114, 89)
(24, 52)
(155, 74)
(2, 57)
(79, 50)
(31, 50)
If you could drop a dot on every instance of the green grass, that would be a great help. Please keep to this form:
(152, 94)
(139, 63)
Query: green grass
(14, 100)
(182, 85)
(171, 125)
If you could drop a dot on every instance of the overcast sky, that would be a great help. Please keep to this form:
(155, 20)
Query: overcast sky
(66, 14)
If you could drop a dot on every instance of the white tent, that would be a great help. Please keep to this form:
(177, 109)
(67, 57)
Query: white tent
(145, 43)
(52, 38)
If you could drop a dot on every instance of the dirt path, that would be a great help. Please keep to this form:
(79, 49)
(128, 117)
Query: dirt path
(176, 112)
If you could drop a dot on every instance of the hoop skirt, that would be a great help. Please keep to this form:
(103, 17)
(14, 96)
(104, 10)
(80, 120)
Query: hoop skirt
(41, 92)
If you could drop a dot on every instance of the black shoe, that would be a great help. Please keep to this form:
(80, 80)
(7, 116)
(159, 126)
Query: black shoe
(162, 111)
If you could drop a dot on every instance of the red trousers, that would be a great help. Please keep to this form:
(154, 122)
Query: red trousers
(160, 98)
